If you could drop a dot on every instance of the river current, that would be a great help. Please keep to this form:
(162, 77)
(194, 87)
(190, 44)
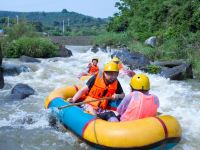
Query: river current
(24, 124)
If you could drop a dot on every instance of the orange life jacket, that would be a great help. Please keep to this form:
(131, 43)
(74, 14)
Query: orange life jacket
(140, 106)
(93, 69)
(100, 90)
(120, 66)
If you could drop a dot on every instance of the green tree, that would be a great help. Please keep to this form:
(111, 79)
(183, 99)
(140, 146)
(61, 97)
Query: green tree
(20, 30)
(64, 11)
(175, 23)
(38, 26)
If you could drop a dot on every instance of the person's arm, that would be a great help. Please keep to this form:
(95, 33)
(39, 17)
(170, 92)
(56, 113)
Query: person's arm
(88, 67)
(85, 89)
(80, 93)
(156, 100)
(119, 94)
(91, 81)
(124, 104)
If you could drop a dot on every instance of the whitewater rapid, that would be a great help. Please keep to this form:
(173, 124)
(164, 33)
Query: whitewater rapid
(24, 123)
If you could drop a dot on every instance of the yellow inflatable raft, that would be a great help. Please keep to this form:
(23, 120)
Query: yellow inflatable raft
(148, 133)
(85, 78)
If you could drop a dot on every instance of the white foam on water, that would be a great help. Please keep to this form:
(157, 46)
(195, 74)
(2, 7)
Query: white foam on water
(177, 98)
(26, 120)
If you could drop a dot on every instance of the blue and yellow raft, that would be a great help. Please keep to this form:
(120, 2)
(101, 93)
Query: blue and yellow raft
(162, 132)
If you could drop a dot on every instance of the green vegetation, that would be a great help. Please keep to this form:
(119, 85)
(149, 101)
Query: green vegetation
(52, 22)
(175, 23)
(111, 38)
(25, 36)
(153, 69)
(22, 39)
(19, 30)
(34, 47)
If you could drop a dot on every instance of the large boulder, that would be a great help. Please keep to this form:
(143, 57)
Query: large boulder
(135, 60)
(29, 59)
(1, 70)
(151, 41)
(175, 70)
(1, 78)
(0, 58)
(64, 52)
(103, 48)
(95, 48)
(21, 91)
(13, 69)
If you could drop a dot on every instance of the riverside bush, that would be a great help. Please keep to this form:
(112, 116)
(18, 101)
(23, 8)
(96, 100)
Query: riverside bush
(20, 30)
(111, 39)
(153, 69)
(33, 47)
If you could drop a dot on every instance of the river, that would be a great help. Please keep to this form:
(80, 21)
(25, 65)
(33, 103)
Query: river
(24, 123)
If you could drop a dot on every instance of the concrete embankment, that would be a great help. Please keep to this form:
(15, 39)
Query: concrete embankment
(72, 40)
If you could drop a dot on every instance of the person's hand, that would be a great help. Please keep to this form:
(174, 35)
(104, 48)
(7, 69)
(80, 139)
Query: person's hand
(115, 96)
(70, 100)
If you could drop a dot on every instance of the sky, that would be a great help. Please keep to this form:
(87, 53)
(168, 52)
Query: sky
(95, 8)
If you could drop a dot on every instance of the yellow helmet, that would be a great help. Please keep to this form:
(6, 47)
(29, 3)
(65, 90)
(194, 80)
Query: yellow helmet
(140, 82)
(115, 59)
(111, 66)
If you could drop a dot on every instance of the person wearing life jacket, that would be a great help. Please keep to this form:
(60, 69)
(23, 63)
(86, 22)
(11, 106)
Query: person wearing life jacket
(118, 62)
(121, 67)
(139, 103)
(92, 68)
(104, 84)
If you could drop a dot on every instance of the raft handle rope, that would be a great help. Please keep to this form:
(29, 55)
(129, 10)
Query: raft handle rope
(95, 133)
(164, 126)
(162, 147)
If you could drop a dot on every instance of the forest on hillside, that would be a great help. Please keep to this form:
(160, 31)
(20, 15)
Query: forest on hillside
(166, 18)
(53, 22)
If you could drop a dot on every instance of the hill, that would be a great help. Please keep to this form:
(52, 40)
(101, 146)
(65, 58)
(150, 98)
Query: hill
(52, 22)
(55, 18)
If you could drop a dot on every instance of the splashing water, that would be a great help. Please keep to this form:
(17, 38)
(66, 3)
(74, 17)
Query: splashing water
(24, 124)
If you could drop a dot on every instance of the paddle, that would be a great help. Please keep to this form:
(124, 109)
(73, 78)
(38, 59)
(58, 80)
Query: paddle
(84, 102)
